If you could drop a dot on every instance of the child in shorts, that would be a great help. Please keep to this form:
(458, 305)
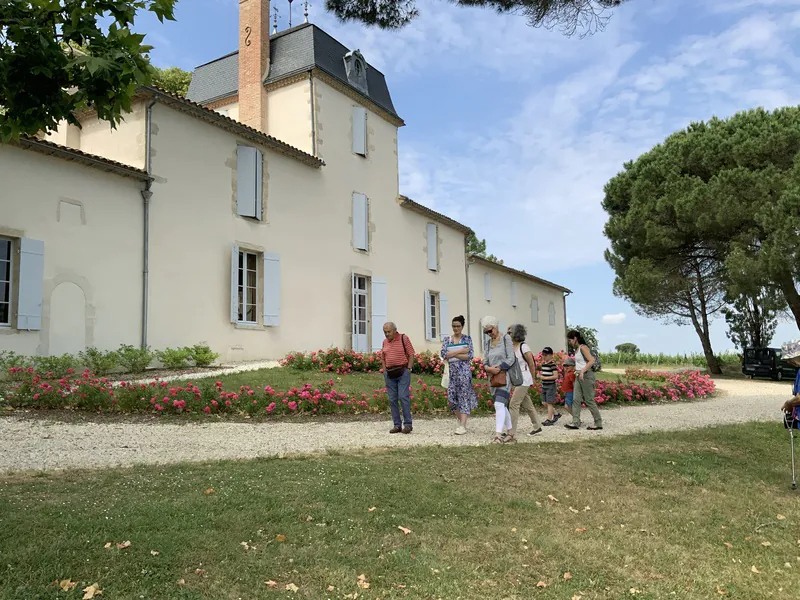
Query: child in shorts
(549, 376)
(568, 383)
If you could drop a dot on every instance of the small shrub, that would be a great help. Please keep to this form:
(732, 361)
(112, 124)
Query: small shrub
(134, 360)
(12, 360)
(57, 366)
(99, 362)
(174, 358)
(201, 355)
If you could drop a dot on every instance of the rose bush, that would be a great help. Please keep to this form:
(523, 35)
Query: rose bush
(27, 388)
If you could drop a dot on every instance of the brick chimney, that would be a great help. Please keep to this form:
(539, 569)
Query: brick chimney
(253, 62)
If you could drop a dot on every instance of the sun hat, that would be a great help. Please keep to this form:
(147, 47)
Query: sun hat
(790, 350)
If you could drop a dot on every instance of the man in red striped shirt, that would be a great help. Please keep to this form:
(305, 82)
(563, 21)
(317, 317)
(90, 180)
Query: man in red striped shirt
(397, 356)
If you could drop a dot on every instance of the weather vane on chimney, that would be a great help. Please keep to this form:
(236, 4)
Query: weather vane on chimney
(275, 20)
(290, 14)
(305, 11)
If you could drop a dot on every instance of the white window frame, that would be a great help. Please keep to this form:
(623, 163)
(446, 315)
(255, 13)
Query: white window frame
(433, 326)
(10, 283)
(243, 287)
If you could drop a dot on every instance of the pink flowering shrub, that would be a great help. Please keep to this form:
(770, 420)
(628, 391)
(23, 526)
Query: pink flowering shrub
(28, 389)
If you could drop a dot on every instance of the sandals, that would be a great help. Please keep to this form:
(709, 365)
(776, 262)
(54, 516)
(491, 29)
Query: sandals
(510, 439)
(497, 439)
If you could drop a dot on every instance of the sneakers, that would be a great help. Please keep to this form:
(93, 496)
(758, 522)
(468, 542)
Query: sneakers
(407, 429)
(572, 426)
(461, 430)
(535, 431)
(548, 423)
(556, 418)
(395, 430)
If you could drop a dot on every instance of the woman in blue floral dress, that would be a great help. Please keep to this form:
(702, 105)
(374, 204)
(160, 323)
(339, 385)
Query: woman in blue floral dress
(457, 351)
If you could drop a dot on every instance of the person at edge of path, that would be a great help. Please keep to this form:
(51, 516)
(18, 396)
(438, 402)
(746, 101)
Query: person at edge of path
(498, 357)
(397, 357)
(791, 354)
(568, 384)
(549, 378)
(520, 399)
(458, 351)
(584, 383)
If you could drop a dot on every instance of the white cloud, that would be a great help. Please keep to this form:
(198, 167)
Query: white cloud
(615, 319)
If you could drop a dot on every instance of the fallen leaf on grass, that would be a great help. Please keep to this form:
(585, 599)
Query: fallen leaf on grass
(755, 570)
(581, 530)
(541, 584)
(728, 545)
(634, 591)
(780, 517)
(209, 491)
(154, 552)
(371, 508)
(181, 582)
(331, 588)
(309, 518)
(720, 591)
(587, 508)
(280, 538)
(271, 583)
(513, 530)
(362, 582)
(766, 544)
(91, 591)
(405, 530)
(552, 498)
(199, 571)
(577, 597)
(123, 545)
(573, 510)
(66, 585)
(567, 576)
(290, 587)
(246, 546)
(107, 546)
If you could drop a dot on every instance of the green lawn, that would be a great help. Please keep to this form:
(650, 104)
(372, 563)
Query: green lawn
(702, 514)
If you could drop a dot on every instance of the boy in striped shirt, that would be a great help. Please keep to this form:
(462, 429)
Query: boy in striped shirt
(549, 371)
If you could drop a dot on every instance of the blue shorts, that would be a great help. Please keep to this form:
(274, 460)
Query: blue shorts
(568, 396)
(549, 395)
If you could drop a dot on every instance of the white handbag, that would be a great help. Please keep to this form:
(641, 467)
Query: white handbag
(446, 375)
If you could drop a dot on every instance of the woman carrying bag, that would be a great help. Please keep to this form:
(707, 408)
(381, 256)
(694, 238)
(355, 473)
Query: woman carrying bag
(498, 359)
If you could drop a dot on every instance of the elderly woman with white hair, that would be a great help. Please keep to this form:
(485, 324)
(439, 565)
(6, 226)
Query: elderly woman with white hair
(498, 358)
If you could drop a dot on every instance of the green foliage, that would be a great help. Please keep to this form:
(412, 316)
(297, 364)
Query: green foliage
(478, 248)
(201, 355)
(589, 334)
(174, 358)
(59, 56)
(586, 16)
(58, 366)
(12, 360)
(98, 361)
(134, 360)
(616, 359)
(752, 319)
(627, 348)
(173, 80)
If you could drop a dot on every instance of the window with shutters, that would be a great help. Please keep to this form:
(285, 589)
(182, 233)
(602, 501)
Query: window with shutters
(6, 268)
(249, 182)
(551, 311)
(255, 287)
(432, 316)
(248, 287)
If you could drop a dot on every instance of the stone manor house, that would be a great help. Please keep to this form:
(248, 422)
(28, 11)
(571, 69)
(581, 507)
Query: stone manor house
(261, 214)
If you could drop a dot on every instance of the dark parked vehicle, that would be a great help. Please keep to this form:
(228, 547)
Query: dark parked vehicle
(767, 362)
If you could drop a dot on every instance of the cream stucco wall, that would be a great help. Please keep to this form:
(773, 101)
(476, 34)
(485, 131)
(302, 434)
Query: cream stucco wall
(541, 333)
(308, 223)
(289, 114)
(91, 225)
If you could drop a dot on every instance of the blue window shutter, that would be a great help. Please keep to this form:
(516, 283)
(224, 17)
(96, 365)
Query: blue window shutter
(31, 283)
(246, 181)
(433, 247)
(487, 286)
(380, 311)
(360, 130)
(513, 293)
(428, 316)
(272, 290)
(444, 316)
(259, 193)
(234, 283)
(360, 219)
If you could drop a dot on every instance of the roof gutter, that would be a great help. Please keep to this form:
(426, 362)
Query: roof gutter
(147, 194)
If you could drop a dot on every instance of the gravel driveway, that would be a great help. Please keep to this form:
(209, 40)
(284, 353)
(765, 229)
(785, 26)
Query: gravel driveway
(41, 444)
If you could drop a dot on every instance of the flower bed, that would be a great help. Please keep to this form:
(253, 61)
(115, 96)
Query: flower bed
(29, 389)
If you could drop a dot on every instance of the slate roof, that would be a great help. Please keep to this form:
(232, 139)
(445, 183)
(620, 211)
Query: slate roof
(292, 51)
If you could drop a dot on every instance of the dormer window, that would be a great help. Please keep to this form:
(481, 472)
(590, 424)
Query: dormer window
(356, 68)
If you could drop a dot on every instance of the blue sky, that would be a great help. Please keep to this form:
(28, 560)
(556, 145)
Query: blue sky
(514, 131)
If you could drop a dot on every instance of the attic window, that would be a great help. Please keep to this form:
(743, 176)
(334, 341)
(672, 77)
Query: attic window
(356, 68)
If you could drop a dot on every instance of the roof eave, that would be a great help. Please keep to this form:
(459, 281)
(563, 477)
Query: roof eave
(418, 208)
(491, 263)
